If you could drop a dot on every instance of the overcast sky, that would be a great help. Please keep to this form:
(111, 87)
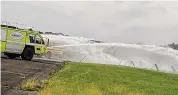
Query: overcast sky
(128, 22)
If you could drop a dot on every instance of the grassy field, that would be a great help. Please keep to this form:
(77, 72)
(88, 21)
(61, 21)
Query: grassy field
(99, 79)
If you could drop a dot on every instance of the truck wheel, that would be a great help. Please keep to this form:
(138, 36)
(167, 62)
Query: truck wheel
(11, 55)
(27, 54)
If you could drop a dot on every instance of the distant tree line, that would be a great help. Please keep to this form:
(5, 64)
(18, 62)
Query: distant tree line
(96, 41)
(51, 33)
(173, 46)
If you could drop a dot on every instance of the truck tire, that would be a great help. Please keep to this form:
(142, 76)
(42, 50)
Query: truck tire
(27, 54)
(11, 55)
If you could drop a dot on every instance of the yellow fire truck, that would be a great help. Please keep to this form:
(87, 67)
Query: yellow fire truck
(16, 42)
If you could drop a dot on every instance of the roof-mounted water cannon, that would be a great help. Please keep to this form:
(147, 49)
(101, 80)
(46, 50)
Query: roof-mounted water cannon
(30, 28)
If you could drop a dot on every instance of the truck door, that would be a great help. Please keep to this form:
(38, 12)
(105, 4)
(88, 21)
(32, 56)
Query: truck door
(43, 46)
(38, 44)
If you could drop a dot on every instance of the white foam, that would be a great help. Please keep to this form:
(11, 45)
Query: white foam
(144, 56)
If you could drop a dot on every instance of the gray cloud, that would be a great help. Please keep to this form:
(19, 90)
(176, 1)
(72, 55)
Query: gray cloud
(147, 22)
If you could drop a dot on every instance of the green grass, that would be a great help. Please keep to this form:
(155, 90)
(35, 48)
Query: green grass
(30, 85)
(99, 79)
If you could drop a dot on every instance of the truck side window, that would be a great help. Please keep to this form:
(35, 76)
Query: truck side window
(32, 38)
(38, 39)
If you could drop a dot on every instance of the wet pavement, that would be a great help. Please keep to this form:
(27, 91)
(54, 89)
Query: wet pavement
(15, 71)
